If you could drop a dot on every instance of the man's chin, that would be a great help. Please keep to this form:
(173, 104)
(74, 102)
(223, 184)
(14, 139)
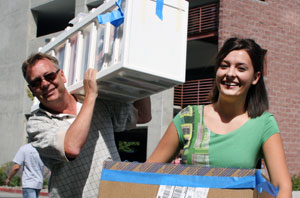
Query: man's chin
(50, 99)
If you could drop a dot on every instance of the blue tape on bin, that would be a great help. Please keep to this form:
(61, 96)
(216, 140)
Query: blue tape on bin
(159, 8)
(263, 184)
(116, 17)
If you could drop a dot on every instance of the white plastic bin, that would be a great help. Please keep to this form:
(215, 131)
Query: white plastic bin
(141, 57)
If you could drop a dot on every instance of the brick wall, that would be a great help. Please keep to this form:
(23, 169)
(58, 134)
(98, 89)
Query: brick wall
(275, 25)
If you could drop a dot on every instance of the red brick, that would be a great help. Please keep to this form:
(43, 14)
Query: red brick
(275, 26)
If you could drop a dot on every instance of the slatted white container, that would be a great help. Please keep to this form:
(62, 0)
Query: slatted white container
(141, 57)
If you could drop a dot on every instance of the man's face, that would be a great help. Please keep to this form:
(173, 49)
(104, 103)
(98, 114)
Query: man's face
(45, 81)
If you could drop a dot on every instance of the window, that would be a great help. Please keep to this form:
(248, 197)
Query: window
(53, 16)
(94, 4)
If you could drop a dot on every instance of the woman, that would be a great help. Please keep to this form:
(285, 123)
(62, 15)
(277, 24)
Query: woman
(235, 130)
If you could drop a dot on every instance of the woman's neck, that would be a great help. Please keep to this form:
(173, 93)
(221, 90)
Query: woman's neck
(230, 109)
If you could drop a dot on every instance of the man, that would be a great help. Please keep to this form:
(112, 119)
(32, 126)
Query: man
(32, 177)
(74, 138)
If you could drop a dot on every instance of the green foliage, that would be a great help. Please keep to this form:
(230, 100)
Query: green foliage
(46, 175)
(296, 183)
(128, 147)
(4, 171)
(45, 185)
(15, 181)
(3, 177)
(29, 94)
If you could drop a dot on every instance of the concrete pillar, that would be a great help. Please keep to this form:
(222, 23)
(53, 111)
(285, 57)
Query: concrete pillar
(162, 115)
(16, 30)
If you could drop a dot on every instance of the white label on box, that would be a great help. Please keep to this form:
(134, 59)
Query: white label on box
(181, 192)
(196, 192)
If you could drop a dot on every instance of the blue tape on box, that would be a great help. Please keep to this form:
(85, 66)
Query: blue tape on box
(178, 180)
(183, 175)
(263, 184)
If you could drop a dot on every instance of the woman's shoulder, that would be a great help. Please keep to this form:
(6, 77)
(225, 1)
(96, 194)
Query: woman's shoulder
(266, 119)
(265, 116)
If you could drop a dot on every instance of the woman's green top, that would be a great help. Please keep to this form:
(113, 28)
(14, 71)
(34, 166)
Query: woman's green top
(241, 148)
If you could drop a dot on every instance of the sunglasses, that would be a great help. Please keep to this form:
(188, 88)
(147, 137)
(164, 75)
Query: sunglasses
(48, 77)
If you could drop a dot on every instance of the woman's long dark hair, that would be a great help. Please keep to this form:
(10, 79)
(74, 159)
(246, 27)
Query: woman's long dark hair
(257, 98)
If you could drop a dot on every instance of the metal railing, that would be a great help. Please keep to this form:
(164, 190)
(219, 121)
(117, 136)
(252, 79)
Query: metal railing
(203, 21)
(194, 92)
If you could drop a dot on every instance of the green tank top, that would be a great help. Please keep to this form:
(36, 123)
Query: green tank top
(241, 148)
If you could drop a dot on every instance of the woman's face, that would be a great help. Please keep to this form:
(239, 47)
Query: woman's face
(235, 75)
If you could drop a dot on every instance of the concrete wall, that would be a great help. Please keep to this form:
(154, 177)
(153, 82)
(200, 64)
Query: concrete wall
(275, 26)
(16, 30)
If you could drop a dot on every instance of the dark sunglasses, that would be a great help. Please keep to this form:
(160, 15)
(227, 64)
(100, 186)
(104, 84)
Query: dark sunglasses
(48, 77)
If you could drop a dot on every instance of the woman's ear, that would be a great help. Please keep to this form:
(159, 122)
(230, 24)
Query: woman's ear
(256, 78)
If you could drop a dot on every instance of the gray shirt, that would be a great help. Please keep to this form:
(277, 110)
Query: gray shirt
(79, 177)
(28, 157)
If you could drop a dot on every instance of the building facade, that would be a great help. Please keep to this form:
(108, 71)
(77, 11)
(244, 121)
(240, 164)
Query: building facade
(274, 24)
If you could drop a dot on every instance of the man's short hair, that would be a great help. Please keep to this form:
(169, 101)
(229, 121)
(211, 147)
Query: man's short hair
(33, 58)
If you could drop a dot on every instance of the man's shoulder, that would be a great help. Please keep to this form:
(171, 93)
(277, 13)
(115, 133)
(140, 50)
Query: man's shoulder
(38, 115)
(38, 119)
(44, 114)
(39, 112)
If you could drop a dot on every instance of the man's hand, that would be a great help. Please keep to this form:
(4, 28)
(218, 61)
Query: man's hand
(90, 83)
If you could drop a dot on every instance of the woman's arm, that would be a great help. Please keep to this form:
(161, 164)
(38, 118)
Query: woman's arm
(167, 148)
(276, 164)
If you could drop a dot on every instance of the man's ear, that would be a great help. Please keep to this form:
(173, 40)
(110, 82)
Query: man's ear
(256, 78)
(31, 89)
(63, 76)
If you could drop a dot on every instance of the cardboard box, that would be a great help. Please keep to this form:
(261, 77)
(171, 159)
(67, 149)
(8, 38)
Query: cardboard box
(150, 180)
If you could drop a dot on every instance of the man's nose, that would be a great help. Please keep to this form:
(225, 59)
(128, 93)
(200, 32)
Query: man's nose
(44, 83)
